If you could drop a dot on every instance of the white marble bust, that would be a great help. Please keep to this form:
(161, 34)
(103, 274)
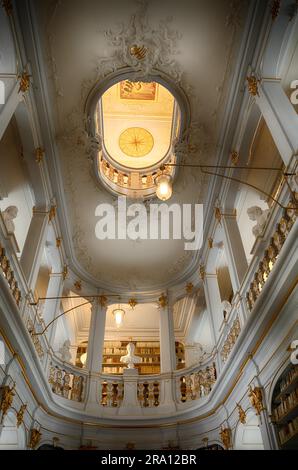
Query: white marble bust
(130, 359)
(260, 216)
(8, 215)
(65, 351)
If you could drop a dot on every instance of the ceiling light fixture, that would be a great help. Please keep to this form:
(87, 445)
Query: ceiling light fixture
(164, 181)
(164, 186)
(119, 316)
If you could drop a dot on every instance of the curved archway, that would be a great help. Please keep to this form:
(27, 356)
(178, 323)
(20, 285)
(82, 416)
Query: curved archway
(12, 437)
(248, 436)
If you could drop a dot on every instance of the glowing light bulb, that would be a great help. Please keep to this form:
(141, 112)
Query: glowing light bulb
(163, 187)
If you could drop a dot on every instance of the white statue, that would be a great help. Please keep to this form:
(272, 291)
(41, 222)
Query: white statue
(130, 359)
(65, 351)
(8, 215)
(226, 307)
(259, 215)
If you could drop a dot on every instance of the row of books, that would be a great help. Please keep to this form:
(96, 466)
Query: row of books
(290, 377)
(286, 405)
(289, 430)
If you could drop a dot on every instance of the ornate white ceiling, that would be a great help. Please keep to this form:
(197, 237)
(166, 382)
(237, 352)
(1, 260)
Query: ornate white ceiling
(196, 43)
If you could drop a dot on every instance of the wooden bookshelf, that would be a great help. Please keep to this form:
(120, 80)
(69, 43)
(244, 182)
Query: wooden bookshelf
(149, 351)
(285, 408)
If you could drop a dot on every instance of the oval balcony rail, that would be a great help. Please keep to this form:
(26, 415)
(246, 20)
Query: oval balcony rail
(132, 183)
(111, 393)
(148, 394)
(231, 339)
(66, 384)
(271, 254)
(197, 384)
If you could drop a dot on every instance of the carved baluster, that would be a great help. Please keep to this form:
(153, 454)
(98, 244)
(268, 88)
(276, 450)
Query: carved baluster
(104, 394)
(183, 389)
(156, 393)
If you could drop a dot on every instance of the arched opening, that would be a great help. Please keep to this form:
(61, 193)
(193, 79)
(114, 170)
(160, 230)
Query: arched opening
(12, 437)
(138, 124)
(248, 436)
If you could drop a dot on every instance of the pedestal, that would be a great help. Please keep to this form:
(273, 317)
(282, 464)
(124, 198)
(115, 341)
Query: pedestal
(130, 405)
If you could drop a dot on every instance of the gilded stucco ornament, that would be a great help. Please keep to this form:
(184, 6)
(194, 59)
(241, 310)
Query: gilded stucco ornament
(7, 5)
(241, 414)
(24, 82)
(162, 301)
(256, 399)
(20, 415)
(143, 47)
(226, 437)
(253, 85)
(35, 437)
(6, 398)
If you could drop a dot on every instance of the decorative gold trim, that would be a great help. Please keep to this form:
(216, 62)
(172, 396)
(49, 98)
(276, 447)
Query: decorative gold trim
(235, 157)
(241, 414)
(39, 154)
(20, 415)
(7, 5)
(132, 303)
(275, 9)
(78, 285)
(189, 288)
(202, 272)
(162, 301)
(102, 300)
(35, 437)
(24, 82)
(253, 88)
(58, 242)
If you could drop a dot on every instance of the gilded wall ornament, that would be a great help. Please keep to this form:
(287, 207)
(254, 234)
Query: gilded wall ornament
(132, 303)
(202, 272)
(52, 213)
(20, 415)
(163, 301)
(138, 51)
(143, 47)
(78, 285)
(189, 288)
(24, 82)
(7, 5)
(39, 154)
(35, 437)
(225, 436)
(7, 398)
(217, 214)
(234, 157)
(210, 242)
(65, 272)
(275, 8)
(256, 399)
(58, 242)
(241, 414)
(253, 88)
(102, 300)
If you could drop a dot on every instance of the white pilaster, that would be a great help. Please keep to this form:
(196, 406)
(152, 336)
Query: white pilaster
(213, 301)
(33, 248)
(280, 117)
(51, 307)
(167, 339)
(236, 258)
(96, 337)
